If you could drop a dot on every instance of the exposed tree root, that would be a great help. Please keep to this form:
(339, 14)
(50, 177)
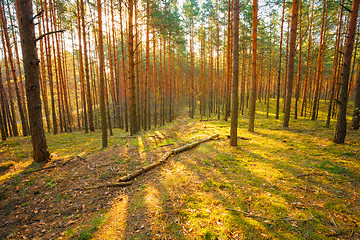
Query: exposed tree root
(53, 166)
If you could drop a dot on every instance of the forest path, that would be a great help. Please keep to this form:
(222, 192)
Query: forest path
(290, 183)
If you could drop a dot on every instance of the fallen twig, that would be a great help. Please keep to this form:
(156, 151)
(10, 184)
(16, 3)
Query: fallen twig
(242, 138)
(165, 145)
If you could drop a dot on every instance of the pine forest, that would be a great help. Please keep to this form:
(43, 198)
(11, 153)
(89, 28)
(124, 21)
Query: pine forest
(188, 119)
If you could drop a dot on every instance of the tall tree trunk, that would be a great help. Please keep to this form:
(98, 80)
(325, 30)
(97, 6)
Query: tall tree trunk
(43, 75)
(308, 60)
(253, 63)
(13, 72)
(279, 68)
(125, 82)
(102, 78)
(49, 70)
(335, 66)
(319, 65)
(299, 68)
(86, 63)
(2, 115)
(235, 76)
(31, 67)
(228, 65)
(292, 49)
(10, 91)
(131, 52)
(81, 71)
(154, 80)
(340, 131)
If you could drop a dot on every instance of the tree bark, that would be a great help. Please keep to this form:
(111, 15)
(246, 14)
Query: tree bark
(253, 63)
(235, 76)
(31, 67)
(102, 78)
(131, 53)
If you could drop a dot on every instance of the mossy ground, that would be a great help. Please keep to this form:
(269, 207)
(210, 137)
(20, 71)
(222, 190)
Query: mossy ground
(293, 184)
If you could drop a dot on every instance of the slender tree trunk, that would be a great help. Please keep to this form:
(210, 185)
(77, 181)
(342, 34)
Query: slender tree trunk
(43, 75)
(86, 63)
(253, 63)
(340, 131)
(13, 72)
(319, 65)
(2, 115)
(124, 72)
(228, 66)
(81, 71)
(131, 52)
(279, 68)
(235, 76)
(31, 67)
(292, 49)
(154, 80)
(243, 78)
(10, 91)
(335, 66)
(299, 68)
(308, 60)
(102, 78)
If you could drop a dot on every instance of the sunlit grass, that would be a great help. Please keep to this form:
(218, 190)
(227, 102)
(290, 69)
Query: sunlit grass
(273, 175)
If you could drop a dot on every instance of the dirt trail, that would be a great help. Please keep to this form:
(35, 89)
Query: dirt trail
(50, 204)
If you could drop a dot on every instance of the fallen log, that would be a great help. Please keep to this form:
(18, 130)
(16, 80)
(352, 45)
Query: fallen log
(165, 157)
(146, 168)
(194, 144)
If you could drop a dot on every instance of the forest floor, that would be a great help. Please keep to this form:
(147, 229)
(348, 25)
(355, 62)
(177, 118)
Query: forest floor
(276, 184)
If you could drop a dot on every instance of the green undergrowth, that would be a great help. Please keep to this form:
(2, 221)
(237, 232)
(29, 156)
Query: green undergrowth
(278, 183)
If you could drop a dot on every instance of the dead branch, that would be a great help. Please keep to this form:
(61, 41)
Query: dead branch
(48, 33)
(346, 8)
(38, 14)
(164, 158)
(165, 145)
